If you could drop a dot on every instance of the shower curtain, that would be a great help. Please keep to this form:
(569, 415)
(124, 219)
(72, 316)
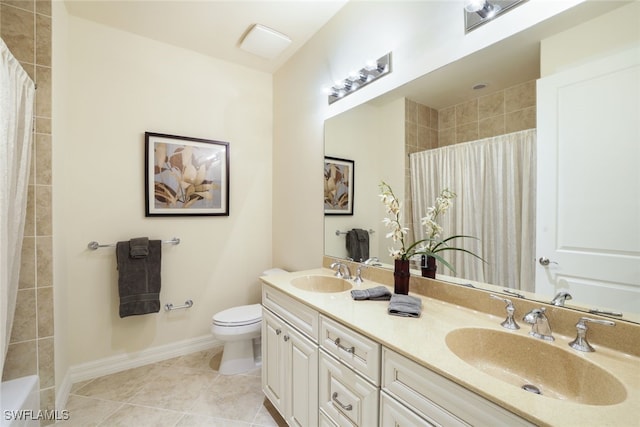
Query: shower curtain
(494, 179)
(17, 92)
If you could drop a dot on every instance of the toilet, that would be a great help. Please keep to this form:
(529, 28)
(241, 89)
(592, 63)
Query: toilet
(240, 329)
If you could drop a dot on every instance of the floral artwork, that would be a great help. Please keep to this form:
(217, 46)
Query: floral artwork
(186, 176)
(338, 186)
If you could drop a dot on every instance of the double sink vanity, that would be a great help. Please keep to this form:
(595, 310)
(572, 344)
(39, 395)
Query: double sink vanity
(329, 360)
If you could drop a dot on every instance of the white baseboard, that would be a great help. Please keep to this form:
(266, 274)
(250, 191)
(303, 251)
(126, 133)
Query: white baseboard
(122, 362)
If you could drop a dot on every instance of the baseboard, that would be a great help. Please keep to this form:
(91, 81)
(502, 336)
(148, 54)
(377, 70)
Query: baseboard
(111, 365)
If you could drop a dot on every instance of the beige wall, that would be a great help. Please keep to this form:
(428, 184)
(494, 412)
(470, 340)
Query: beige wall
(360, 31)
(25, 26)
(114, 86)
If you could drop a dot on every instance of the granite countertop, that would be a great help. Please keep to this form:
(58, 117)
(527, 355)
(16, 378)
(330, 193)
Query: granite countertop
(423, 340)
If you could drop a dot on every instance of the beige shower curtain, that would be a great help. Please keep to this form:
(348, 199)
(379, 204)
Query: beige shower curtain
(17, 93)
(494, 179)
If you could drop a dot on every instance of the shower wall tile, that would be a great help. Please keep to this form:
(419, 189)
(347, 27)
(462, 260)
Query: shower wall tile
(467, 112)
(45, 362)
(43, 40)
(43, 125)
(22, 360)
(520, 97)
(24, 321)
(521, 120)
(27, 5)
(45, 312)
(491, 126)
(18, 31)
(446, 137)
(43, 94)
(447, 118)
(44, 261)
(43, 210)
(42, 159)
(424, 116)
(467, 132)
(27, 262)
(43, 7)
(491, 105)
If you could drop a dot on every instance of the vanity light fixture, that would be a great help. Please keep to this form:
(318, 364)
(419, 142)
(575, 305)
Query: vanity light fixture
(356, 80)
(478, 12)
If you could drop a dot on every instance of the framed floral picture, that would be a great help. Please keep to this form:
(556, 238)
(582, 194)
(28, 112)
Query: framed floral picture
(185, 176)
(338, 186)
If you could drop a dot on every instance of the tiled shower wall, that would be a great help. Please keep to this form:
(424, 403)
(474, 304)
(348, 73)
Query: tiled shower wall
(506, 111)
(25, 27)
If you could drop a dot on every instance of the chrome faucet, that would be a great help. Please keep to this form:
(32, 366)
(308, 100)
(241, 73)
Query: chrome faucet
(375, 261)
(509, 322)
(560, 298)
(342, 270)
(581, 343)
(539, 322)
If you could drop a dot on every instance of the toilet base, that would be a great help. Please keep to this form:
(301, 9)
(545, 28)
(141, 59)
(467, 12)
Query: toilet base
(238, 357)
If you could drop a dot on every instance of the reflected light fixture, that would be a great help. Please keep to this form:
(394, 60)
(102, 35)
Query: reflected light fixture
(356, 80)
(478, 12)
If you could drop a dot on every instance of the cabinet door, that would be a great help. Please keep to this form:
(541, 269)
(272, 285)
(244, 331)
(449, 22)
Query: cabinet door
(346, 397)
(273, 360)
(303, 379)
(393, 413)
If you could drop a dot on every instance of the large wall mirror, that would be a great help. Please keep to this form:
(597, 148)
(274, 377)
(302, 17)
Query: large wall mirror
(374, 136)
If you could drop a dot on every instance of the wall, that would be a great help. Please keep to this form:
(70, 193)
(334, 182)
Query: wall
(25, 26)
(423, 36)
(114, 86)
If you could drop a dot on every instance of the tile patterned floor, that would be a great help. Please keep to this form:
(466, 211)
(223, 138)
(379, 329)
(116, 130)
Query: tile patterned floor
(185, 391)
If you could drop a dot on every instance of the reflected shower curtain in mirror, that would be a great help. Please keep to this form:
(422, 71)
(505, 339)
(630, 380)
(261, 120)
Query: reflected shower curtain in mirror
(494, 179)
(17, 93)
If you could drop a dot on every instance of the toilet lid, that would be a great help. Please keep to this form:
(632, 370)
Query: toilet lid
(239, 316)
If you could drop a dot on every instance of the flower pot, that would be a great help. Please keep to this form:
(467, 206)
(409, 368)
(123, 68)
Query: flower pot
(401, 276)
(428, 266)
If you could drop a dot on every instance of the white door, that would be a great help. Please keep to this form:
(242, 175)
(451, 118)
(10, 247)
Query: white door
(303, 370)
(274, 370)
(588, 191)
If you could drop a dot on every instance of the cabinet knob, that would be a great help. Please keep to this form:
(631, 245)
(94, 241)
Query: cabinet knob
(278, 331)
(286, 338)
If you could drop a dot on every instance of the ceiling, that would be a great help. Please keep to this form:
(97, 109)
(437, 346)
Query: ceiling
(213, 27)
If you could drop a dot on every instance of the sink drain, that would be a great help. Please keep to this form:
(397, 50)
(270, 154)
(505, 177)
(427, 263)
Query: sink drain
(531, 388)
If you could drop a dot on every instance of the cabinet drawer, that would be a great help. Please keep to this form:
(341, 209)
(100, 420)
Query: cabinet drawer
(393, 413)
(345, 396)
(437, 398)
(352, 348)
(302, 317)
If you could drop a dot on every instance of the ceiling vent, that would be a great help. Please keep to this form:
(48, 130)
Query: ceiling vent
(264, 42)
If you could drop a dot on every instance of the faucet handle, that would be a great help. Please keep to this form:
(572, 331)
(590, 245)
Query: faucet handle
(509, 322)
(581, 343)
(560, 298)
(358, 279)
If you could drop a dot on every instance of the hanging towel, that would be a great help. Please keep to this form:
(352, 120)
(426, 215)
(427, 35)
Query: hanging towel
(377, 293)
(139, 276)
(357, 241)
(405, 306)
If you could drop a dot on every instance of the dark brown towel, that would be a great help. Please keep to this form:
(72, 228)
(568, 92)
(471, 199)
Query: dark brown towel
(139, 279)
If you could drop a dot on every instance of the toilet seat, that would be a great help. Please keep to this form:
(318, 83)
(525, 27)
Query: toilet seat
(243, 315)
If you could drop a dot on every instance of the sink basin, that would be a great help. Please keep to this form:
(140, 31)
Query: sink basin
(523, 361)
(325, 284)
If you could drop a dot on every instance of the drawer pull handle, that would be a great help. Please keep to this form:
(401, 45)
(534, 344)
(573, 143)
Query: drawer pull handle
(334, 397)
(347, 349)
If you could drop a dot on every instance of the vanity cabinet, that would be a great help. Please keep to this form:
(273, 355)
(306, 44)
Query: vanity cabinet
(290, 357)
(434, 399)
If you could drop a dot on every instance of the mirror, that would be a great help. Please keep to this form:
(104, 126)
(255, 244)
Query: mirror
(373, 136)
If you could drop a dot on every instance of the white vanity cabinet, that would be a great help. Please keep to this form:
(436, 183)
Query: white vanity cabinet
(430, 399)
(349, 376)
(290, 357)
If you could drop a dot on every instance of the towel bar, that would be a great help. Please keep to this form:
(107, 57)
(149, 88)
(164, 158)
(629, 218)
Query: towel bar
(95, 245)
(338, 232)
(187, 304)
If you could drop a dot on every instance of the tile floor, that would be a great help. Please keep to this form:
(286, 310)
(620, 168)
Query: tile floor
(185, 391)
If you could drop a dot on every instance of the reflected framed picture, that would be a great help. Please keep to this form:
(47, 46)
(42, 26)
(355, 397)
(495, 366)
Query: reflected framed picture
(185, 176)
(338, 186)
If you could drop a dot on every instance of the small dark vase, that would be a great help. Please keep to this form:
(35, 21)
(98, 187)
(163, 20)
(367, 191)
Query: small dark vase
(401, 276)
(428, 266)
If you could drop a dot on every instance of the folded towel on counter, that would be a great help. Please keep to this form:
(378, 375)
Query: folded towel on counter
(378, 293)
(139, 247)
(139, 279)
(405, 306)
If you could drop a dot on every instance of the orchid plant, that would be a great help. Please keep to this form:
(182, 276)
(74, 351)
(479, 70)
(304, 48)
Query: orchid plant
(433, 243)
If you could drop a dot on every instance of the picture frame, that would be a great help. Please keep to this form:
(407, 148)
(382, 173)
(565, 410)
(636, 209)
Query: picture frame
(338, 186)
(185, 176)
